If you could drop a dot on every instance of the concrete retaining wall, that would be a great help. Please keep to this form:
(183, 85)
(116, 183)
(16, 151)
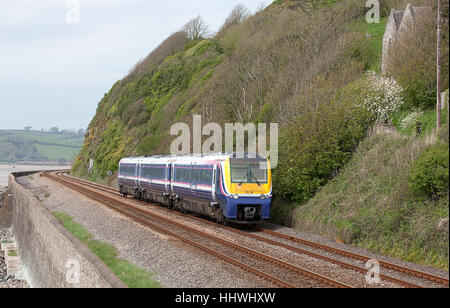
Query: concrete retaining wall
(49, 252)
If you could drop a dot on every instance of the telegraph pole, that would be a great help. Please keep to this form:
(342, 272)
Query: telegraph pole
(438, 84)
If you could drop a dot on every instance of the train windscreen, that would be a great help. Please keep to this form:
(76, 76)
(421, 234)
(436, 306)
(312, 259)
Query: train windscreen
(248, 171)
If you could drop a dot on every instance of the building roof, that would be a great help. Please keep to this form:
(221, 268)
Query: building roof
(398, 16)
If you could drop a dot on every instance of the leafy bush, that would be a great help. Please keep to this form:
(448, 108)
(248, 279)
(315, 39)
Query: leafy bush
(318, 144)
(429, 173)
(111, 149)
(410, 119)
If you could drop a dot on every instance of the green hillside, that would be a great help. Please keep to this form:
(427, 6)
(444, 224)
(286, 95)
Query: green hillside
(271, 67)
(34, 146)
(312, 67)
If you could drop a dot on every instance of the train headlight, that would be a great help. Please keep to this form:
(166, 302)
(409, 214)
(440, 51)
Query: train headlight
(236, 196)
(263, 197)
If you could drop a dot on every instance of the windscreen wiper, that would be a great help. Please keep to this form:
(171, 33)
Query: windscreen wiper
(257, 181)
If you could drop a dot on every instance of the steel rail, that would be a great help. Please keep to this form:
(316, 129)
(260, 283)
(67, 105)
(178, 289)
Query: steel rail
(356, 256)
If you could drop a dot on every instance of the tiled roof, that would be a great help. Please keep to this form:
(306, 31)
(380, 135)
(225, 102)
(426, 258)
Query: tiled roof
(398, 16)
(418, 9)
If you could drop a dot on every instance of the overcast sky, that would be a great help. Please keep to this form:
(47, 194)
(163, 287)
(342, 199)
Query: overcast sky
(54, 73)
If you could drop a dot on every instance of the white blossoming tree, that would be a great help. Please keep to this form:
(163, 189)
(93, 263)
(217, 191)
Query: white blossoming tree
(384, 96)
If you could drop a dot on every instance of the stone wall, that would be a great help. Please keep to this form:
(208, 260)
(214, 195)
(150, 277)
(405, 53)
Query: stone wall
(48, 251)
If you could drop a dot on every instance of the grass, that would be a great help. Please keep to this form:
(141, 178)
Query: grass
(131, 275)
(44, 137)
(427, 119)
(52, 147)
(12, 253)
(55, 152)
(373, 41)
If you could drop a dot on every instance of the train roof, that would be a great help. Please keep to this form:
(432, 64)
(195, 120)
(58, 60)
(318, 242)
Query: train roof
(199, 158)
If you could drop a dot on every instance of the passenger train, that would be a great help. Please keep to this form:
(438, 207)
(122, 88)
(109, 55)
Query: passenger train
(220, 186)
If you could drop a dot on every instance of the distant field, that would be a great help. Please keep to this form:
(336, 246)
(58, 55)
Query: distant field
(35, 146)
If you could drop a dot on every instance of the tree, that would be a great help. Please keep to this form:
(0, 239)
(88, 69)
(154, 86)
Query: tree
(54, 130)
(196, 28)
(173, 44)
(27, 128)
(237, 15)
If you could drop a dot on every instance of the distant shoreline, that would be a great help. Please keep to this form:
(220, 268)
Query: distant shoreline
(6, 169)
(33, 163)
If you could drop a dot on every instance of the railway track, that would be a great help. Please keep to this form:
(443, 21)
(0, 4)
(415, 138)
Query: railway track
(276, 271)
(280, 236)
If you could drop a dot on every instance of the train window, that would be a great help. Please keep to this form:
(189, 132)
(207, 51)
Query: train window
(154, 172)
(160, 173)
(239, 173)
(187, 175)
(201, 176)
(197, 176)
(207, 176)
(257, 173)
(249, 172)
(183, 174)
(179, 174)
(146, 172)
(194, 174)
(127, 170)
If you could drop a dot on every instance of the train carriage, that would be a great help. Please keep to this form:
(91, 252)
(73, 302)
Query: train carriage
(220, 186)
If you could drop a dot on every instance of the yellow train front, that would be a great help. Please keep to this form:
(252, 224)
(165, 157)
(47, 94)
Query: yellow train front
(245, 189)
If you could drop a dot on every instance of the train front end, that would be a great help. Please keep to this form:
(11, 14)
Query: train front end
(248, 183)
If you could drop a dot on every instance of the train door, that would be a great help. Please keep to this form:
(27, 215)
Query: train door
(137, 174)
(172, 176)
(192, 179)
(167, 177)
(217, 183)
(213, 184)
